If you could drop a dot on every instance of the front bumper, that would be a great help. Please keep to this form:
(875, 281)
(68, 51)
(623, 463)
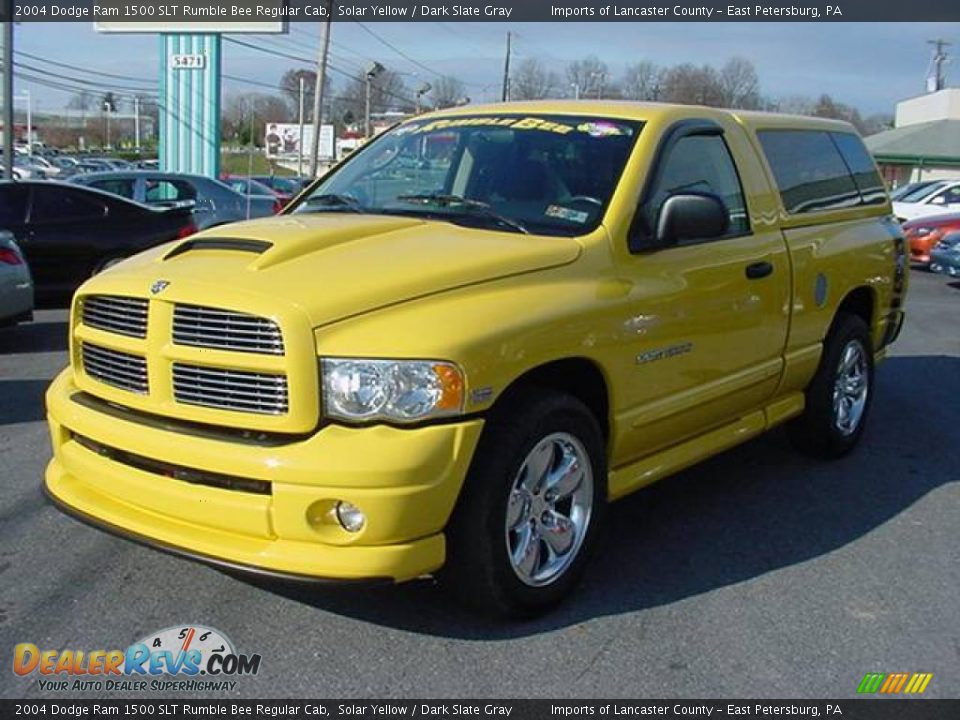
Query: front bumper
(405, 480)
(945, 263)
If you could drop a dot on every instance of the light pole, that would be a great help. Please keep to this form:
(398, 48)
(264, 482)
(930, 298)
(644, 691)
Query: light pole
(373, 70)
(106, 115)
(300, 141)
(26, 96)
(136, 122)
(424, 89)
(576, 90)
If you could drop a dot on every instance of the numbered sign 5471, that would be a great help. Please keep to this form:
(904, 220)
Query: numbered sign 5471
(194, 61)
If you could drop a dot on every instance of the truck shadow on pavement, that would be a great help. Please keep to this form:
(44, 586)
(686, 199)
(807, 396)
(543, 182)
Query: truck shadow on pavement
(750, 511)
(34, 337)
(21, 401)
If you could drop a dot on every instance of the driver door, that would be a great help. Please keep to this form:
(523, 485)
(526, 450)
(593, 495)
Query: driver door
(708, 318)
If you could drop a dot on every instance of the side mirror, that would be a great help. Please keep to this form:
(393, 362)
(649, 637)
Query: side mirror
(691, 216)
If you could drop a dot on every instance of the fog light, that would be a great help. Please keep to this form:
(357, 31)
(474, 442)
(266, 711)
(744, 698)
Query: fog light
(350, 517)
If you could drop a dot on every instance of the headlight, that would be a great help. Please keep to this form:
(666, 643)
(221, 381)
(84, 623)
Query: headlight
(402, 391)
(921, 231)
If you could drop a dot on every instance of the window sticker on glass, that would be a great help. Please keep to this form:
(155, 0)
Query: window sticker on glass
(604, 129)
(562, 213)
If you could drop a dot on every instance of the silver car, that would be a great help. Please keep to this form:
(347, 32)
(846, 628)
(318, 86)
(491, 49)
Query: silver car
(16, 285)
(214, 202)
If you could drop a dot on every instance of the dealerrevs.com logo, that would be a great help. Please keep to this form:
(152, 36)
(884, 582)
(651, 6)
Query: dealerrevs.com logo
(183, 657)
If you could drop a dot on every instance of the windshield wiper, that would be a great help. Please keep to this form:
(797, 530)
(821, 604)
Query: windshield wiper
(334, 201)
(475, 208)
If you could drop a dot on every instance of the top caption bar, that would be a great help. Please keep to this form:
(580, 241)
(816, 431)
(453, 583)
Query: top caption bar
(236, 11)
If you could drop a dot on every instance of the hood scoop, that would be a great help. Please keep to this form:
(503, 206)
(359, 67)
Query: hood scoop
(257, 247)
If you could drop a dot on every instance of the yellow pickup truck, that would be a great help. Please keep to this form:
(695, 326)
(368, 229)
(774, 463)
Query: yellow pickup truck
(452, 351)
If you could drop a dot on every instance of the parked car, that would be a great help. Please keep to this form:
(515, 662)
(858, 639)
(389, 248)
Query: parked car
(910, 189)
(68, 165)
(148, 164)
(214, 203)
(44, 166)
(937, 198)
(249, 187)
(16, 285)
(945, 255)
(286, 187)
(460, 365)
(923, 233)
(68, 233)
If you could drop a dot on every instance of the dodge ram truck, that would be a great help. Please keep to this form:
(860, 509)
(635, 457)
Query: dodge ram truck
(456, 348)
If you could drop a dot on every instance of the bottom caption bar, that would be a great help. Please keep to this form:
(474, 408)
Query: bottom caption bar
(514, 709)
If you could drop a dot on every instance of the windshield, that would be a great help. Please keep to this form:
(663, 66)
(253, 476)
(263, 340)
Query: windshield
(918, 193)
(550, 175)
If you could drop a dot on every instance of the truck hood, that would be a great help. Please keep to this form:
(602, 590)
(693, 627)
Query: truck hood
(332, 266)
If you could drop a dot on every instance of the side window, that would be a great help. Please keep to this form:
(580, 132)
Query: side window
(698, 164)
(123, 188)
(13, 205)
(950, 196)
(809, 170)
(865, 174)
(169, 191)
(56, 204)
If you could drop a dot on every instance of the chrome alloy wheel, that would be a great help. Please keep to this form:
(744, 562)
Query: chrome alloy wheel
(850, 388)
(549, 509)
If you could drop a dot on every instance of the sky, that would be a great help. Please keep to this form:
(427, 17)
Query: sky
(868, 65)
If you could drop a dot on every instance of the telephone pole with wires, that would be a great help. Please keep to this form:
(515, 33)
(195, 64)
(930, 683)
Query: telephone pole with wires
(318, 93)
(506, 71)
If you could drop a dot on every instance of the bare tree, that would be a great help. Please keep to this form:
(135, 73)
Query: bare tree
(642, 81)
(290, 89)
(447, 91)
(589, 76)
(739, 85)
(83, 100)
(387, 92)
(691, 85)
(245, 116)
(532, 81)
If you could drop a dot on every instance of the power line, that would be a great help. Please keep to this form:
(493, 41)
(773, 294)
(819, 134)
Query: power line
(299, 58)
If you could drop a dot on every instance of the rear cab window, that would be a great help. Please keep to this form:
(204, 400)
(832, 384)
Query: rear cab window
(817, 170)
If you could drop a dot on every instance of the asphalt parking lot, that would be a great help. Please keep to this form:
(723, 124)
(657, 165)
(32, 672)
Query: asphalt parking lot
(759, 573)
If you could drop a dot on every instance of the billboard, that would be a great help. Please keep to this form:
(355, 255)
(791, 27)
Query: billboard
(283, 141)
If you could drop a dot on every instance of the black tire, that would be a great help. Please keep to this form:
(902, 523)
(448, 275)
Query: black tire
(478, 568)
(816, 431)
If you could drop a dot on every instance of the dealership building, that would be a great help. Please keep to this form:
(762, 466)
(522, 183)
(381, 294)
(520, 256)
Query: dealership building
(924, 143)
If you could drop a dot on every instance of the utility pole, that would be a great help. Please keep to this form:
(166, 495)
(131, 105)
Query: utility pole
(936, 81)
(373, 70)
(318, 92)
(26, 94)
(300, 141)
(8, 95)
(506, 71)
(106, 116)
(136, 122)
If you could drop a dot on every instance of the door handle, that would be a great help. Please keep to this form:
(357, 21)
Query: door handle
(759, 270)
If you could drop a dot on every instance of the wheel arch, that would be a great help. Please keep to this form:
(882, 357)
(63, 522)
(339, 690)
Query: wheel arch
(861, 301)
(579, 376)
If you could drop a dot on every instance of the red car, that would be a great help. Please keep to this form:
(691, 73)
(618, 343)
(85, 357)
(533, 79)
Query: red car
(924, 233)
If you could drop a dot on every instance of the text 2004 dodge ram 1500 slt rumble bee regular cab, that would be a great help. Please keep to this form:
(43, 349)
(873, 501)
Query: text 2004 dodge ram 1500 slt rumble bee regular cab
(454, 349)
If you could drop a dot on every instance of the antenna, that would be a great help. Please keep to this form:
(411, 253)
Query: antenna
(935, 79)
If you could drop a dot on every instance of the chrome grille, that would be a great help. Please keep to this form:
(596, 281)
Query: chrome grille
(116, 368)
(225, 330)
(116, 314)
(230, 389)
